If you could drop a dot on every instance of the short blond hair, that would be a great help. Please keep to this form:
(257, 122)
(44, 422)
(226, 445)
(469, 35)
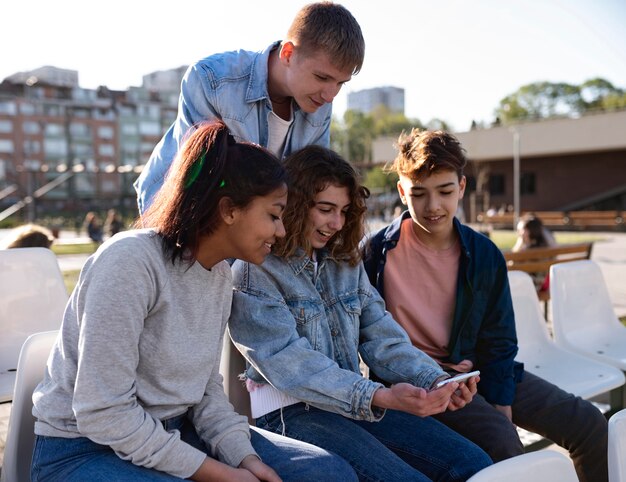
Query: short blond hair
(329, 28)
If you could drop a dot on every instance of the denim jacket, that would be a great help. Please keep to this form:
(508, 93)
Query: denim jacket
(230, 86)
(483, 327)
(303, 332)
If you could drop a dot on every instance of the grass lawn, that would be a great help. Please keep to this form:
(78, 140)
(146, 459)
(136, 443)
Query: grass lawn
(70, 278)
(74, 248)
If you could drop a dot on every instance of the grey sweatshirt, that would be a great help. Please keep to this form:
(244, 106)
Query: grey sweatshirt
(140, 342)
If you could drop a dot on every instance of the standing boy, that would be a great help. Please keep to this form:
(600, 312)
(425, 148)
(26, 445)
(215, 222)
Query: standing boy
(447, 286)
(279, 98)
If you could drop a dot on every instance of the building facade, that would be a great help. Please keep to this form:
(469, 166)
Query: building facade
(50, 126)
(368, 100)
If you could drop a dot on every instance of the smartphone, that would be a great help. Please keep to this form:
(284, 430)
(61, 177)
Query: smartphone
(458, 378)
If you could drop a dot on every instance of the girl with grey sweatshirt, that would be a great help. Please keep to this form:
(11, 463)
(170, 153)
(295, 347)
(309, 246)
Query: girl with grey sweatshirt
(132, 390)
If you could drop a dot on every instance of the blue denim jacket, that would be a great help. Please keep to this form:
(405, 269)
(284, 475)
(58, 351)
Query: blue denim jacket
(483, 327)
(230, 86)
(303, 332)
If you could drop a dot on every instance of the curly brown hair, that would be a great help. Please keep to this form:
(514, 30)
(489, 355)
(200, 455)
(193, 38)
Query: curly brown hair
(309, 171)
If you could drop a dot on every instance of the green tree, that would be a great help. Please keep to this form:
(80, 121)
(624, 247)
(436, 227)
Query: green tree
(541, 100)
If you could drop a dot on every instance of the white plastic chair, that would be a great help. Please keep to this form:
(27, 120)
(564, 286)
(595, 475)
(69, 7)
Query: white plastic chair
(21, 437)
(617, 447)
(232, 364)
(542, 466)
(32, 299)
(583, 316)
(570, 371)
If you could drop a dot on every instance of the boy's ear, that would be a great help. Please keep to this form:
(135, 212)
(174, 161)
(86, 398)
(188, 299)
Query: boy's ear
(227, 210)
(401, 192)
(286, 52)
(462, 184)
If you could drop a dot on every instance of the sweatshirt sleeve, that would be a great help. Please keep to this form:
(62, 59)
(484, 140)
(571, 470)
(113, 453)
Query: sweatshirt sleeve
(111, 303)
(222, 429)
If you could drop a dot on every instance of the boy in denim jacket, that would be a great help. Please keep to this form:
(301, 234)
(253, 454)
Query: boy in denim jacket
(447, 286)
(279, 98)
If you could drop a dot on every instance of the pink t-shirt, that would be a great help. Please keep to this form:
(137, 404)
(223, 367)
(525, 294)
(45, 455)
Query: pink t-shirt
(420, 290)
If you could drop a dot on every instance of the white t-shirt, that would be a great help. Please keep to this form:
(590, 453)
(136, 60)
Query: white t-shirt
(278, 128)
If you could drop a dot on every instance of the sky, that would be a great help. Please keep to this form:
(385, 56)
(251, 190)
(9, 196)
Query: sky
(456, 59)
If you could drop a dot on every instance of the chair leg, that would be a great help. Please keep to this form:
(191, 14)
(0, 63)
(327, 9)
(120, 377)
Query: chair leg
(617, 401)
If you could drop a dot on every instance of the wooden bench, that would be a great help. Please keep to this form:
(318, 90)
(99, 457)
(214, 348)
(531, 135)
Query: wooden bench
(539, 260)
(562, 220)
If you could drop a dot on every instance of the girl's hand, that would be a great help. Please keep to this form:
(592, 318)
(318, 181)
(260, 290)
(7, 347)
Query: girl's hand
(263, 472)
(414, 400)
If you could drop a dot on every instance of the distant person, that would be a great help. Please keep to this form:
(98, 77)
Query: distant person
(132, 390)
(447, 285)
(279, 98)
(531, 233)
(28, 236)
(113, 224)
(93, 227)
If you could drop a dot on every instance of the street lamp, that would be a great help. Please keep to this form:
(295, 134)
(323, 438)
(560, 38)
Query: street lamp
(516, 176)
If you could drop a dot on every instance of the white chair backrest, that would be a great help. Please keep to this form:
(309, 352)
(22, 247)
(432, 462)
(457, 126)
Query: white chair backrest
(541, 466)
(20, 437)
(580, 296)
(232, 364)
(617, 447)
(583, 316)
(570, 371)
(530, 325)
(32, 299)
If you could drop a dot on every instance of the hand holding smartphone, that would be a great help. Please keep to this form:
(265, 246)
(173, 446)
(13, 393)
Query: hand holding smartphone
(461, 377)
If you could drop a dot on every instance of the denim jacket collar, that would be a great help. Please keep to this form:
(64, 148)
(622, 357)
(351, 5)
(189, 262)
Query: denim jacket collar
(300, 261)
(259, 74)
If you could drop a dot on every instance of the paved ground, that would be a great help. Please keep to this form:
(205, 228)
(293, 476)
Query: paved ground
(610, 253)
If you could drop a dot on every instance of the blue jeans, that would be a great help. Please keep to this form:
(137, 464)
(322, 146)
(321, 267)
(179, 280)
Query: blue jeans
(80, 459)
(399, 447)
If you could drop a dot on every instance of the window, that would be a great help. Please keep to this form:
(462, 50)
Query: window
(32, 147)
(8, 107)
(150, 128)
(6, 145)
(6, 126)
(105, 132)
(54, 129)
(527, 183)
(27, 108)
(130, 129)
(496, 184)
(30, 127)
(55, 147)
(106, 150)
(79, 129)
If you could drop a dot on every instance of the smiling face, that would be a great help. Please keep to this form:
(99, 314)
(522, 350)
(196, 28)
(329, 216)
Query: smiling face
(432, 201)
(328, 215)
(311, 79)
(255, 228)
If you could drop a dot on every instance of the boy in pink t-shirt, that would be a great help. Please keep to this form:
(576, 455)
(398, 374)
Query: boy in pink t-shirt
(447, 285)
